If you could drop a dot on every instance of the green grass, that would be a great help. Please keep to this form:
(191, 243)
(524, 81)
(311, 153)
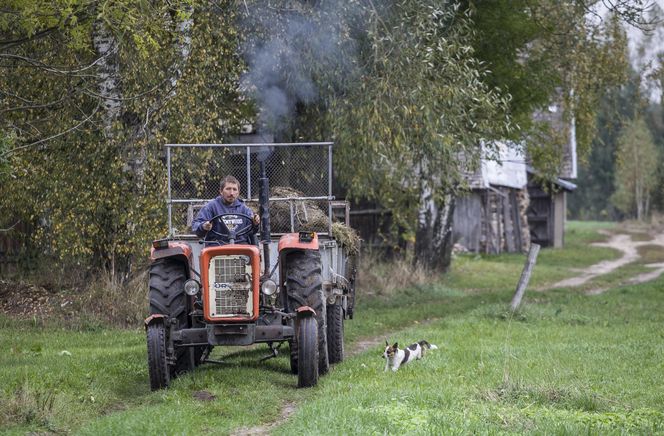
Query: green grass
(566, 363)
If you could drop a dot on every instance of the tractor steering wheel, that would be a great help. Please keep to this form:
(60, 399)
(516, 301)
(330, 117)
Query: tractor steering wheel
(230, 235)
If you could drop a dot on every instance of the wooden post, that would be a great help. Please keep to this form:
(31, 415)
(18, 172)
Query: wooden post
(525, 276)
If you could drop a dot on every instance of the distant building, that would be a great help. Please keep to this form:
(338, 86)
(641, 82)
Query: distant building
(491, 218)
(508, 207)
(547, 212)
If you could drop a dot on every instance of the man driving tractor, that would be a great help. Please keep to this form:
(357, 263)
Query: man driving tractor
(229, 211)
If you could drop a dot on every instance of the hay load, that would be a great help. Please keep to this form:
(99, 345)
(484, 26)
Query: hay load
(347, 237)
(307, 215)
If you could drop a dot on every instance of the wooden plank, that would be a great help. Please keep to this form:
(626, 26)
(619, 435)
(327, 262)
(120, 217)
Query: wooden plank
(467, 228)
(370, 212)
(509, 228)
(516, 220)
(525, 276)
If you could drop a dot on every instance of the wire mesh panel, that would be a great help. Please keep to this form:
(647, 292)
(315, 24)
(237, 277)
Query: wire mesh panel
(299, 175)
(232, 285)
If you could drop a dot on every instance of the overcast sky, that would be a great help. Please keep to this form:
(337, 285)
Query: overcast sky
(644, 49)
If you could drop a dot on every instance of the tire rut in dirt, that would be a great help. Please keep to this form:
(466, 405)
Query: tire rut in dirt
(335, 333)
(167, 297)
(305, 287)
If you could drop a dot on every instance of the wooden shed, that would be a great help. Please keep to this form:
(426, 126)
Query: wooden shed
(491, 218)
(547, 212)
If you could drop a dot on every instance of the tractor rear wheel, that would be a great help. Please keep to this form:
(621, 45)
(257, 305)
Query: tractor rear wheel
(167, 297)
(157, 363)
(304, 286)
(335, 333)
(307, 350)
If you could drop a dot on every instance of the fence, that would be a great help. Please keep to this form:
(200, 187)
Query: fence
(300, 177)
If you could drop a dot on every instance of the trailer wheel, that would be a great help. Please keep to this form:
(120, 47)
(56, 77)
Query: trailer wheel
(167, 297)
(307, 352)
(304, 287)
(335, 333)
(157, 362)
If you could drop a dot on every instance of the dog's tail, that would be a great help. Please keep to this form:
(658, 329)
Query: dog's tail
(425, 344)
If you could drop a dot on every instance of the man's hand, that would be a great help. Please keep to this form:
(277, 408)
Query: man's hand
(257, 219)
(207, 226)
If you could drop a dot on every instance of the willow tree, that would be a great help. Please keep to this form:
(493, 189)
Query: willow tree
(412, 125)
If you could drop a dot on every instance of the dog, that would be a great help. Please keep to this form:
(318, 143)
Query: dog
(395, 357)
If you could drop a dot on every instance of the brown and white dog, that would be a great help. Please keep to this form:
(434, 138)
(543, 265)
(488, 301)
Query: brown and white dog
(395, 357)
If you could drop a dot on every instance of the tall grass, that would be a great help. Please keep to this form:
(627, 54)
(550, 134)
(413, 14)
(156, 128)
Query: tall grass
(111, 302)
(381, 277)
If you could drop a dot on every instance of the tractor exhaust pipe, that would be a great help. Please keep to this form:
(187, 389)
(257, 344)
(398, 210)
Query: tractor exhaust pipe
(264, 200)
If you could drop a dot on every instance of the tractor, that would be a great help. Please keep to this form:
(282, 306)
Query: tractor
(294, 283)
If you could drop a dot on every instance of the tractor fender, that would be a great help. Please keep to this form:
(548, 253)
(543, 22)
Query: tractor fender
(177, 250)
(304, 312)
(291, 241)
(155, 318)
(287, 244)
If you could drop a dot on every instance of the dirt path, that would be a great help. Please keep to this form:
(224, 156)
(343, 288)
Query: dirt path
(286, 411)
(629, 248)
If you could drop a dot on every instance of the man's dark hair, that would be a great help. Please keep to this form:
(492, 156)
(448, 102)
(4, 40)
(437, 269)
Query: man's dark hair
(229, 179)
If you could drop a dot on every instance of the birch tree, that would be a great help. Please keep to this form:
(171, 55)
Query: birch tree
(637, 162)
(90, 93)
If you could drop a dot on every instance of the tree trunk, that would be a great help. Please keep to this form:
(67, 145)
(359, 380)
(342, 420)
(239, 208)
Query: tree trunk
(108, 69)
(639, 198)
(433, 239)
(135, 152)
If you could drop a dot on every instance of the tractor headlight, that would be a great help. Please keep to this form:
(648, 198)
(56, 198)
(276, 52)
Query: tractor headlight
(191, 287)
(269, 287)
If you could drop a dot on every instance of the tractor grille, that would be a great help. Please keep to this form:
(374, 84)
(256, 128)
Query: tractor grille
(230, 287)
(229, 269)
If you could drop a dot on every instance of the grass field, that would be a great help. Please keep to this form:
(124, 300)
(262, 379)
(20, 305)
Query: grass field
(566, 363)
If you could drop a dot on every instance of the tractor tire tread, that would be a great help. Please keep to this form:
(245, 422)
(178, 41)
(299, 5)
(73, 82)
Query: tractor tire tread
(304, 287)
(335, 333)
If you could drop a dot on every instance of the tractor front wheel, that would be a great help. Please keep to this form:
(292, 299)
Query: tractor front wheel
(167, 297)
(292, 344)
(157, 362)
(335, 333)
(307, 352)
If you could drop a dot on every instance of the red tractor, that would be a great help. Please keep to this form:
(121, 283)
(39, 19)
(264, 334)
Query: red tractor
(296, 284)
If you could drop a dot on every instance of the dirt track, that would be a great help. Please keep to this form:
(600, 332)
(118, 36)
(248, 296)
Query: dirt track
(623, 243)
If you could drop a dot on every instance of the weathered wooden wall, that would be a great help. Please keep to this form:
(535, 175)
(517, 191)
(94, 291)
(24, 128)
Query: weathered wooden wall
(467, 230)
(492, 221)
(560, 216)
